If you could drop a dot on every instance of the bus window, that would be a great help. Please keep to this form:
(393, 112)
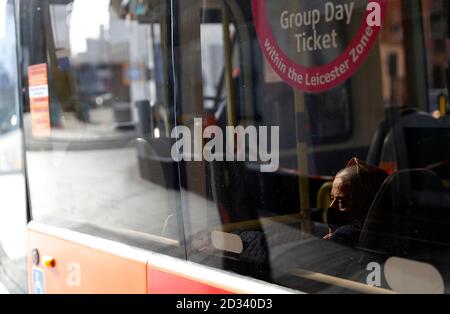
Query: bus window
(11, 155)
(98, 147)
(13, 211)
(274, 225)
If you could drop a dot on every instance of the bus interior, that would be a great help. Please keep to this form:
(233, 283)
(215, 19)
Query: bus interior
(122, 74)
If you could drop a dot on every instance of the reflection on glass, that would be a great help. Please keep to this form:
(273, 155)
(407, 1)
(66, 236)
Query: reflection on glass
(13, 274)
(283, 227)
(103, 167)
(10, 137)
(121, 79)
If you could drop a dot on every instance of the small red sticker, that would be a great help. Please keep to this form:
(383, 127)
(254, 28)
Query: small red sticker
(39, 100)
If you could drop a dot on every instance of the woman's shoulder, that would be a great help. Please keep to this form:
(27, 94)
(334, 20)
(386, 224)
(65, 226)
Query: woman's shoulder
(348, 234)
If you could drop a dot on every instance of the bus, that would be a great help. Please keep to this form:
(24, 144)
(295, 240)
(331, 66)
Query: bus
(100, 97)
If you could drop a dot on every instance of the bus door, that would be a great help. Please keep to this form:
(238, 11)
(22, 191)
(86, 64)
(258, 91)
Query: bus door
(103, 188)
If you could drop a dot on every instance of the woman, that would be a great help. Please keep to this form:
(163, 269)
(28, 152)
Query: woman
(353, 191)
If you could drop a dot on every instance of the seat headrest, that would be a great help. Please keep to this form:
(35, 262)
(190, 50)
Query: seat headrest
(411, 207)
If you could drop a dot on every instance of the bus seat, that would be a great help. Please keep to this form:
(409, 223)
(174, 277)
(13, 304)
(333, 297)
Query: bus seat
(323, 199)
(447, 184)
(402, 143)
(155, 162)
(411, 209)
(392, 115)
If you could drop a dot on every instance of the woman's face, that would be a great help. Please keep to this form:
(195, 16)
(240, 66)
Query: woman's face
(341, 194)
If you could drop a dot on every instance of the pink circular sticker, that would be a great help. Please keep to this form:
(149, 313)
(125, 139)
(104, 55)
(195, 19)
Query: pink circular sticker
(327, 76)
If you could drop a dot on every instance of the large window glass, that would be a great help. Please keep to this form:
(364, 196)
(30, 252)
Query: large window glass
(304, 143)
(13, 210)
(98, 117)
(358, 201)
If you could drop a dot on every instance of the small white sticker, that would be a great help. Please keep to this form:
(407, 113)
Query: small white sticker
(38, 91)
